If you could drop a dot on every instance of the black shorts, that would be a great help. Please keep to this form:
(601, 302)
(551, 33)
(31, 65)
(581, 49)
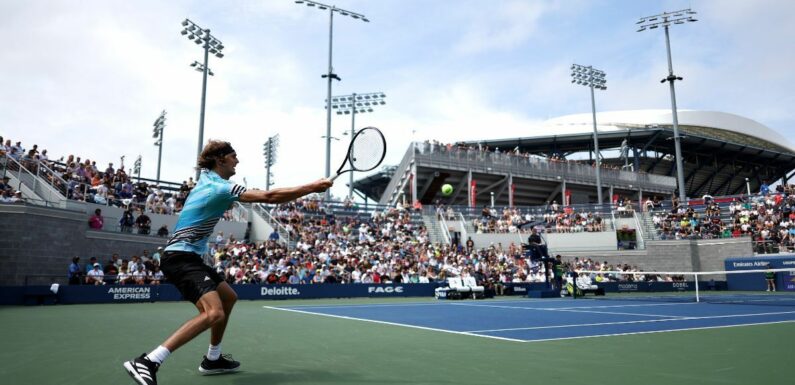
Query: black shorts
(189, 274)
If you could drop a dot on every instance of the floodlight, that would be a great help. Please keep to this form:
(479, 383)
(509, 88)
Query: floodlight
(185, 22)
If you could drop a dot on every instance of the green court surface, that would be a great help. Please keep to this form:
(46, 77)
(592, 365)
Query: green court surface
(86, 344)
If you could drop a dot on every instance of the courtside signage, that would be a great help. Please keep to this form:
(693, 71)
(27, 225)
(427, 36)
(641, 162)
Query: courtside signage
(385, 290)
(279, 291)
(122, 293)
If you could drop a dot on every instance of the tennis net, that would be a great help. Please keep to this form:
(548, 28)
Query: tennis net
(774, 287)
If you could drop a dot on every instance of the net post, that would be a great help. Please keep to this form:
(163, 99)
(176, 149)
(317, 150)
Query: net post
(698, 299)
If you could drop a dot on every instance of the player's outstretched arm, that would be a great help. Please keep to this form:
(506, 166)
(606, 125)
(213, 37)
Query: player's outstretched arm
(285, 194)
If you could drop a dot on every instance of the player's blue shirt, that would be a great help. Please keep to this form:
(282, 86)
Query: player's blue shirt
(205, 205)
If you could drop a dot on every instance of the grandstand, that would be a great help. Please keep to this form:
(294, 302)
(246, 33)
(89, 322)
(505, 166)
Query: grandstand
(720, 151)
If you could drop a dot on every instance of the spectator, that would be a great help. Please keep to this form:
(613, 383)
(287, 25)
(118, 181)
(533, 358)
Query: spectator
(95, 276)
(143, 222)
(90, 264)
(127, 220)
(764, 188)
(96, 221)
(156, 255)
(124, 277)
(5, 184)
(157, 276)
(162, 231)
(74, 271)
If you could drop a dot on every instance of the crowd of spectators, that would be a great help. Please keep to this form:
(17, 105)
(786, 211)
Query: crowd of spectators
(137, 270)
(599, 272)
(553, 218)
(386, 246)
(767, 217)
(82, 180)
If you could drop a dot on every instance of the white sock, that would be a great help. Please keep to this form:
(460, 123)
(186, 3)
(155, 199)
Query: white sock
(158, 355)
(214, 352)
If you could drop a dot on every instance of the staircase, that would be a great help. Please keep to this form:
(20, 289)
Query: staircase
(284, 235)
(434, 226)
(39, 187)
(647, 226)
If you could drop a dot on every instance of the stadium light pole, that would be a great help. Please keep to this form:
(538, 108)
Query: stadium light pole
(269, 151)
(593, 79)
(666, 19)
(157, 133)
(213, 46)
(330, 75)
(356, 104)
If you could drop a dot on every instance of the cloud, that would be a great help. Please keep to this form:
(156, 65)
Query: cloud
(499, 28)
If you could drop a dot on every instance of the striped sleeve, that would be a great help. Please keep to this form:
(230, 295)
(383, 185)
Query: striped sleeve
(237, 190)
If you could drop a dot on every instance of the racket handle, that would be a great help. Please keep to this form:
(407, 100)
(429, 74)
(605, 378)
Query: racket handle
(334, 177)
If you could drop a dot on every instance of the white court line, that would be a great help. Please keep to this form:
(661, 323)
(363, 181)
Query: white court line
(440, 303)
(634, 305)
(573, 325)
(575, 310)
(358, 305)
(394, 324)
(613, 313)
(642, 321)
(659, 331)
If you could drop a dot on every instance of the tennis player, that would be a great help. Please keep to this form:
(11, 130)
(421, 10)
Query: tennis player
(183, 266)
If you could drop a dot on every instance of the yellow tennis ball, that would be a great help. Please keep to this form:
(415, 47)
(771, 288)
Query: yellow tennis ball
(447, 189)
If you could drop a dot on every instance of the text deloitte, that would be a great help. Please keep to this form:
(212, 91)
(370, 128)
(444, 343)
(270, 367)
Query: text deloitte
(279, 291)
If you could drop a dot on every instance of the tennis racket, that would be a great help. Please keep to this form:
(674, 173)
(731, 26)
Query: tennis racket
(366, 151)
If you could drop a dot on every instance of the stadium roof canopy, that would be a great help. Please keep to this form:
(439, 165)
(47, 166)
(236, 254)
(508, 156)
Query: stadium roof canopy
(720, 150)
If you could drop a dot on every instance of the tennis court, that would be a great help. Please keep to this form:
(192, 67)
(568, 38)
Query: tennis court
(413, 341)
(553, 319)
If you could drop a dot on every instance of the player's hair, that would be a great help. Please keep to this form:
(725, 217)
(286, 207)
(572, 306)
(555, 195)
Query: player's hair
(212, 152)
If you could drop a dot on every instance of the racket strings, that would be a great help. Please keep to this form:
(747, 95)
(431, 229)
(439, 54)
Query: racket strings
(367, 150)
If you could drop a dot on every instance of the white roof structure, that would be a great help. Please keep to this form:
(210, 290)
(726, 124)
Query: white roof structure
(619, 121)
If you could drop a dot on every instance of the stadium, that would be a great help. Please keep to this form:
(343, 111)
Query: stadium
(563, 255)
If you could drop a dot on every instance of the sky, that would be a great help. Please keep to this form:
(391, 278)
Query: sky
(89, 78)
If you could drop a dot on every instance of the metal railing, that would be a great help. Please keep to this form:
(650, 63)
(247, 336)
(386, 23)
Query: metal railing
(508, 162)
(445, 231)
(400, 171)
(240, 212)
(284, 232)
(32, 179)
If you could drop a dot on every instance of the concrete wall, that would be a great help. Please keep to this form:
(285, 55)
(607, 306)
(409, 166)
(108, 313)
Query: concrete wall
(686, 255)
(556, 242)
(42, 241)
(485, 240)
(260, 228)
(572, 242)
(112, 215)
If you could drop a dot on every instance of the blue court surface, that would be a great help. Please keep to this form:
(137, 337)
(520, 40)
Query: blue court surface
(526, 320)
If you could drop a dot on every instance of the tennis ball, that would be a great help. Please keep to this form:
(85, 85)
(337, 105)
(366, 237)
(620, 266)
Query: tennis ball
(447, 189)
